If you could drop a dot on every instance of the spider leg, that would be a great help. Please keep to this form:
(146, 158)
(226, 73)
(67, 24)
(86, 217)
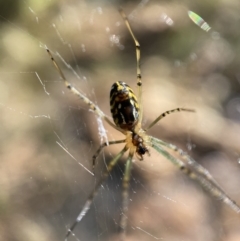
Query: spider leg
(138, 52)
(125, 195)
(204, 172)
(190, 161)
(164, 114)
(89, 201)
(100, 149)
(91, 105)
(195, 171)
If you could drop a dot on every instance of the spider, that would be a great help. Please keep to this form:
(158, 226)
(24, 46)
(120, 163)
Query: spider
(127, 114)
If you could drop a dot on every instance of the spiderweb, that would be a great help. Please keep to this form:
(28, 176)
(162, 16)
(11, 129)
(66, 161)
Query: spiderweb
(48, 136)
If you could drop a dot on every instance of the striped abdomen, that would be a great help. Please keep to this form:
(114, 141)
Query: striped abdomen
(124, 106)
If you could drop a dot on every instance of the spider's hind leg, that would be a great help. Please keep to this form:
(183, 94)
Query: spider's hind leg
(164, 114)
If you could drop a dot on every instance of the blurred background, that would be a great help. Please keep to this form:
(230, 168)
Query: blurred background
(48, 136)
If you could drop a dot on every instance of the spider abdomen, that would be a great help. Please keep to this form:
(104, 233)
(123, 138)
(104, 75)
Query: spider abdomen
(124, 106)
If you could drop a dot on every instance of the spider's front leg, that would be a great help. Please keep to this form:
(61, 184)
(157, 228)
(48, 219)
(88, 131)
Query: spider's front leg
(99, 150)
(195, 171)
(89, 201)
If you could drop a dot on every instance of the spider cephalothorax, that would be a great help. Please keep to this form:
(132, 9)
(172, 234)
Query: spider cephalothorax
(141, 147)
